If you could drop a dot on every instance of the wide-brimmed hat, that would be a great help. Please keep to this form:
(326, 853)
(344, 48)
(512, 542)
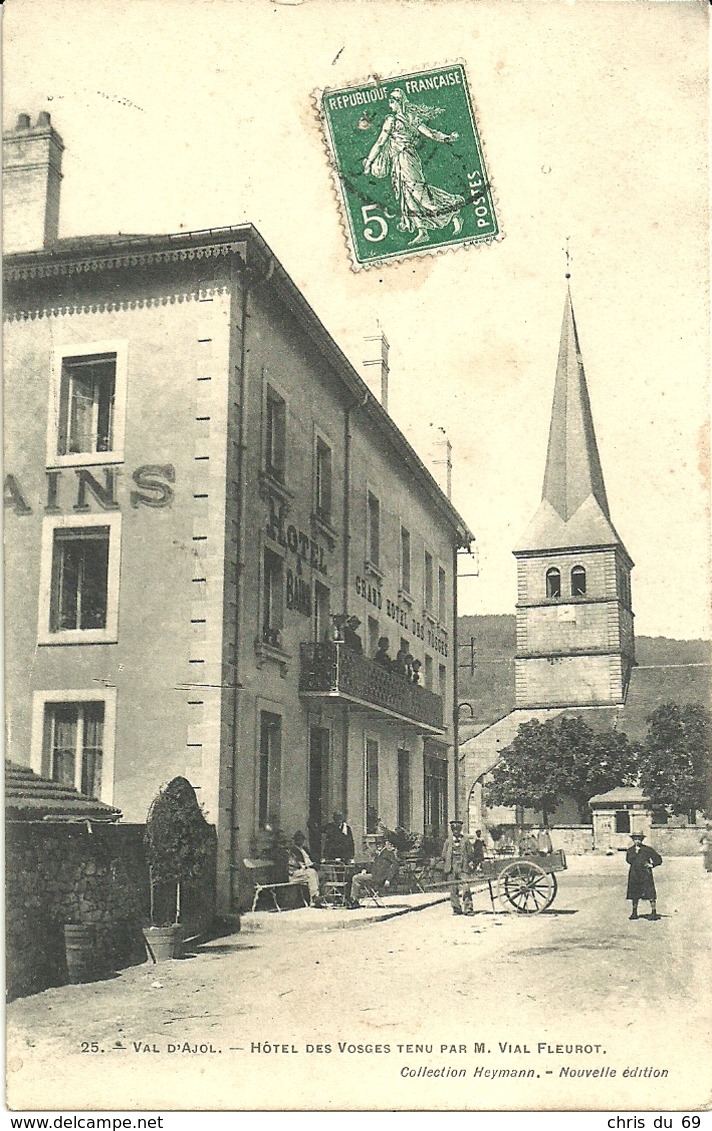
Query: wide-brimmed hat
(637, 836)
(455, 824)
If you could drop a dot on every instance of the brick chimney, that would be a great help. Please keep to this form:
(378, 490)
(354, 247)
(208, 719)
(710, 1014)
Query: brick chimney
(32, 174)
(375, 366)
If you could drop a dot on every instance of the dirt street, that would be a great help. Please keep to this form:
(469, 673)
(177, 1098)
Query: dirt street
(575, 1008)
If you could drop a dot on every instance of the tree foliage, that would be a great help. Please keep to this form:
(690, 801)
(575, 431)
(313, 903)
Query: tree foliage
(178, 838)
(675, 762)
(560, 758)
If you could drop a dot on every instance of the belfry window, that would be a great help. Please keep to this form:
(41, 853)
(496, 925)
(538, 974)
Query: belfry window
(578, 581)
(553, 583)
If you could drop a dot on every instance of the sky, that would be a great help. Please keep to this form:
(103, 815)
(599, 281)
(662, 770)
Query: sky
(189, 114)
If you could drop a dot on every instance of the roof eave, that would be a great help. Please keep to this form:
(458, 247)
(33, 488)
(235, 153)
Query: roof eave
(243, 239)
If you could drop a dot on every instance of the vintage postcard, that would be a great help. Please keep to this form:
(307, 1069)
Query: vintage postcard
(357, 621)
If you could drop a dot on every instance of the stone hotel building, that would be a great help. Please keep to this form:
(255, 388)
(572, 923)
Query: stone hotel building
(196, 482)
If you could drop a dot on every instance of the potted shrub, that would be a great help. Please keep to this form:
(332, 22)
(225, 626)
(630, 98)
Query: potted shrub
(402, 840)
(178, 845)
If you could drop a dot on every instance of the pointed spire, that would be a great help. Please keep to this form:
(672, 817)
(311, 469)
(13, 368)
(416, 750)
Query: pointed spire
(573, 466)
(574, 508)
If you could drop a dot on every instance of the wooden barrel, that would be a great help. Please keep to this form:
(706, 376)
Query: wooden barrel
(80, 948)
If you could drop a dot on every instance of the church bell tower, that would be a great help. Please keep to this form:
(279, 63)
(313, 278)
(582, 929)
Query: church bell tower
(575, 642)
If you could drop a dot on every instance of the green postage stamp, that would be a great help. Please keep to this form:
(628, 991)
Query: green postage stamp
(408, 165)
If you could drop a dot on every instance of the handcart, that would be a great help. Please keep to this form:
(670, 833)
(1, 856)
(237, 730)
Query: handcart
(527, 884)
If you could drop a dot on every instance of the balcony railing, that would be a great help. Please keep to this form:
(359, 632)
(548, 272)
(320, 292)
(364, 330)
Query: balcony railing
(332, 669)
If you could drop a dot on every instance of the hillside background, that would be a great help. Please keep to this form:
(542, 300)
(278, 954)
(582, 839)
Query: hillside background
(676, 671)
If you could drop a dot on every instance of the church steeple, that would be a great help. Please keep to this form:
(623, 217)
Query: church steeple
(573, 467)
(575, 643)
(574, 505)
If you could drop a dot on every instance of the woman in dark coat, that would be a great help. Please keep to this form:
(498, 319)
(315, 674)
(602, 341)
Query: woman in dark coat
(641, 885)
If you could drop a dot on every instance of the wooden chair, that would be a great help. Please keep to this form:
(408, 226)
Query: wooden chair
(368, 889)
(370, 892)
(334, 883)
(410, 872)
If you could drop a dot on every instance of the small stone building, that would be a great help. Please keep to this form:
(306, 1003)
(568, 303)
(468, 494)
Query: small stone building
(618, 813)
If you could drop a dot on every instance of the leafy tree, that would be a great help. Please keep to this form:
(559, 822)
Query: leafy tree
(675, 762)
(561, 758)
(526, 775)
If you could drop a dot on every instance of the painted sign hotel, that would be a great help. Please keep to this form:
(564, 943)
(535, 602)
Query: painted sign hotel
(197, 480)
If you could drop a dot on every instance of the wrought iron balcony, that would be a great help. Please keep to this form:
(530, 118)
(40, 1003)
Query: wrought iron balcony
(335, 671)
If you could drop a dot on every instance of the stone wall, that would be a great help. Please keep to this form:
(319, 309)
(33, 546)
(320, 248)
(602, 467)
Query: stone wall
(671, 841)
(573, 839)
(76, 873)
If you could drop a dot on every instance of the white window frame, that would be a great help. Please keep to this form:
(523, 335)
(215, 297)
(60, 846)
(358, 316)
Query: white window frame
(107, 696)
(120, 347)
(110, 633)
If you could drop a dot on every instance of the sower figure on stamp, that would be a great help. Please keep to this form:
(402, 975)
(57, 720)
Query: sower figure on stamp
(641, 884)
(423, 207)
(457, 855)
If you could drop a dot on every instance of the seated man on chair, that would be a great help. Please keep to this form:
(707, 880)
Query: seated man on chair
(379, 876)
(301, 867)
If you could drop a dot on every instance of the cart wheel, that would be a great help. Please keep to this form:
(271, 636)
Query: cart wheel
(526, 887)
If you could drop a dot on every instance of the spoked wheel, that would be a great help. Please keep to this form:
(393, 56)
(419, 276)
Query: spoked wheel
(526, 887)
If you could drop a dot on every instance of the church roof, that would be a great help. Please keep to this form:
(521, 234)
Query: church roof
(574, 507)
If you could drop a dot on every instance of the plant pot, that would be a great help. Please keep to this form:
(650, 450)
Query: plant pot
(163, 943)
(80, 949)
